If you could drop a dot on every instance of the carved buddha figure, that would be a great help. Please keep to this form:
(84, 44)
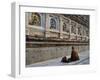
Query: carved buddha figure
(35, 19)
(53, 23)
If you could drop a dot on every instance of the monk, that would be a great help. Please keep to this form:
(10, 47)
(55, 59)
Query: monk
(74, 55)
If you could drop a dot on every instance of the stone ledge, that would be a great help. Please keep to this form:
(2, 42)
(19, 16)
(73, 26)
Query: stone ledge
(52, 39)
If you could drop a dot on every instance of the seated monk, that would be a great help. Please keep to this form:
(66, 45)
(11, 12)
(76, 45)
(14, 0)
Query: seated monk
(64, 59)
(74, 55)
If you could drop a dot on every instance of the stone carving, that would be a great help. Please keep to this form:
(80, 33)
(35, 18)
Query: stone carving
(35, 19)
(87, 32)
(73, 27)
(84, 32)
(79, 30)
(59, 25)
(53, 23)
(65, 27)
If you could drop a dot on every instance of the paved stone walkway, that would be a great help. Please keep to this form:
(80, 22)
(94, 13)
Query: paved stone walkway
(84, 59)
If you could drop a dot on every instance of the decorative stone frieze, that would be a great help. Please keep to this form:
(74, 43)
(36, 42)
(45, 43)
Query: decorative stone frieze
(55, 25)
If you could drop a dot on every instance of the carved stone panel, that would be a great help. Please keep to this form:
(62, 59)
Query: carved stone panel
(80, 30)
(73, 27)
(53, 23)
(65, 27)
(35, 19)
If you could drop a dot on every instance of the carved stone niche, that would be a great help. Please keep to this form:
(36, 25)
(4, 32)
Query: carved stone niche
(79, 30)
(65, 27)
(54, 22)
(73, 27)
(35, 19)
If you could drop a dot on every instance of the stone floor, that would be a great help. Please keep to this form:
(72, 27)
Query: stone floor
(84, 59)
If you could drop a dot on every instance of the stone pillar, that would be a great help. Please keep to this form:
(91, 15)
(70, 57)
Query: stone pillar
(69, 29)
(82, 33)
(77, 30)
(46, 25)
(61, 28)
(27, 18)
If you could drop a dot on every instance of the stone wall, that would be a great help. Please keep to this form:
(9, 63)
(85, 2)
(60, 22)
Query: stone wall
(34, 55)
(55, 25)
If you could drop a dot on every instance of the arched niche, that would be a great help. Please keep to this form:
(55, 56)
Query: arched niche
(65, 27)
(53, 23)
(79, 30)
(35, 19)
(73, 27)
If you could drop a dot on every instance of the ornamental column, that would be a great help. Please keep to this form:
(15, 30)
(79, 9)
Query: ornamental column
(61, 28)
(69, 29)
(76, 31)
(46, 25)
